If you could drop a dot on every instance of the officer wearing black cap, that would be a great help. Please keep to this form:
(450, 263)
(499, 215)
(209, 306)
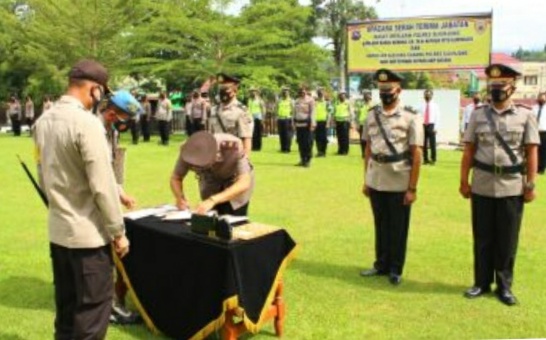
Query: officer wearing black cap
(226, 178)
(501, 143)
(230, 116)
(394, 136)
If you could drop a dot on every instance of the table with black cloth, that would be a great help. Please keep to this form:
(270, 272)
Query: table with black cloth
(183, 283)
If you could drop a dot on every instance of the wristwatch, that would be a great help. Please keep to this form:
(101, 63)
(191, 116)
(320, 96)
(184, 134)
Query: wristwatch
(529, 186)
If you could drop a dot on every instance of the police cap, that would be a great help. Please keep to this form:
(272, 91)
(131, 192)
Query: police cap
(500, 71)
(224, 79)
(387, 76)
(90, 70)
(200, 149)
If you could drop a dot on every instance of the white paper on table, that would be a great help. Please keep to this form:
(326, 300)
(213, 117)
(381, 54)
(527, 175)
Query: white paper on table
(159, 210)
(178, 215)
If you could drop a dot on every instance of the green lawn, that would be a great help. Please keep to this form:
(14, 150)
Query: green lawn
(325, 212)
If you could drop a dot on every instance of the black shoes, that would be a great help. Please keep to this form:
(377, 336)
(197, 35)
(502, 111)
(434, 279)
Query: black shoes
(372, 272)
(505, 296)
(122, 316)
(474, 292)
(395, 279)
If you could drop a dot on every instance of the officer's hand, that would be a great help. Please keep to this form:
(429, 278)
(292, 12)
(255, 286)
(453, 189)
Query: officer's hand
(127, 201)
(410, 197)
(366, 190)
(312, 128)
(465, 190)
(204, 207)
(529, 196)
(121, 246)
(182, 204)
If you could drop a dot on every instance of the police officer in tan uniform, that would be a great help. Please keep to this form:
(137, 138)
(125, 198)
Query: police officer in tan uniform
(501, 143)
(285, 111)
(230, 116)
(304, 121)
(226, 178)
(392, 161)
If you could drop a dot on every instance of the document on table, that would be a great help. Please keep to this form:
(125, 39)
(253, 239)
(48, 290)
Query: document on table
(182, 215)
(155, 211)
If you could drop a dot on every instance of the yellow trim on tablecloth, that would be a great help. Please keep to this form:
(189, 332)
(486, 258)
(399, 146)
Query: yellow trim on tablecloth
(233, 302)
(138, 305)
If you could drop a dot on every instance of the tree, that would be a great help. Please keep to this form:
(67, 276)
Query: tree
(330, 20)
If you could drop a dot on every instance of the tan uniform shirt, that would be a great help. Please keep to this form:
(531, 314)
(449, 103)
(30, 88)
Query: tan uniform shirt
(230, 163)
(164, 110)
(198, 109)
(84, 207)
(234, 118)
(404, 129)
(518, 127)
(304, 110)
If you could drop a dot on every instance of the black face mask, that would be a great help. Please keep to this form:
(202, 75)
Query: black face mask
(387, 98)
(225, 96)
(541, 102)
(498, 95)
(121, 125)
(476, 101)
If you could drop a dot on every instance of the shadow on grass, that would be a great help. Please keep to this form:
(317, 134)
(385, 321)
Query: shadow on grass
(5, 336)
(351, 275)
(26, 293)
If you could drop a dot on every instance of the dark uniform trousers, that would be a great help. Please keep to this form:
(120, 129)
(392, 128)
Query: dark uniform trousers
(189, 126)
(226, 209)
(84, 286)
(391, 219)
(145, 128)
(164, 127)
(257, 135)
(197, 125)
(542, 152)
(284, 126)
(321, 137)
(135, 130)
(342, 132)
(15, 125)
(304, 137)
(430, 142)
(495, 226)
(362, 142)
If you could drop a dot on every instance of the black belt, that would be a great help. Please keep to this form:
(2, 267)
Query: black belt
(391, 158)
(498, 170)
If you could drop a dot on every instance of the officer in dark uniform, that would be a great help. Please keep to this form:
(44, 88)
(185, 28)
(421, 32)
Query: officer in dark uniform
(394, 137)
(285, 110)
(501, 144)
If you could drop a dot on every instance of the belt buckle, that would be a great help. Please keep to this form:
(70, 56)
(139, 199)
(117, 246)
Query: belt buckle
(498, 170)
(381, 158)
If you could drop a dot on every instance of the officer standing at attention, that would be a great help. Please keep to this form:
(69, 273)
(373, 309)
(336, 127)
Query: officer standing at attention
(322, 107)
(343, 115)
(256, 107)
(501, 144)
(363, 110)
(285, 108)
(226, 178)
(393, 159)
(230, 116)
(304, 121)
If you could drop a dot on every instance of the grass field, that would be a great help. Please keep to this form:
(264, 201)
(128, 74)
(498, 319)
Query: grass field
(324, 211)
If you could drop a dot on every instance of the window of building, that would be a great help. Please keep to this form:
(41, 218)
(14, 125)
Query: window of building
(530, 80)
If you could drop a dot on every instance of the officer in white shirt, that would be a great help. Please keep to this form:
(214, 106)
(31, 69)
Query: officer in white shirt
(540, 112)
(431, 119)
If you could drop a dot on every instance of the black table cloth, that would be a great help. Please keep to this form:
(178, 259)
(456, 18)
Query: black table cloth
(184, 282)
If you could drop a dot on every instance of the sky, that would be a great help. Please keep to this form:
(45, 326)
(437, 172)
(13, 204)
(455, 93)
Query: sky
(515, 22)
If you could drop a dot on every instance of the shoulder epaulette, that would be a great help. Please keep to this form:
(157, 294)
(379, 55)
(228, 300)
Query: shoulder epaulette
(241, 106)
(410, 109)
(524, 106)
(374, 107)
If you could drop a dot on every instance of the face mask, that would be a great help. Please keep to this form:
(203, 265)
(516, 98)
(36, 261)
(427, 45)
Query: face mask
(476, 101)
(541, 102)
(225, 96)
(121, 125)
(195, 96)
(498, 95)
(387, 98)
